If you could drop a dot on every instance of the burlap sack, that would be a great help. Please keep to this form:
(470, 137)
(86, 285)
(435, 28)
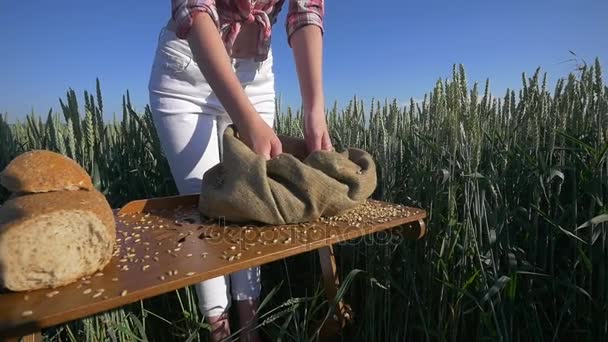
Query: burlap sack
(289, 188)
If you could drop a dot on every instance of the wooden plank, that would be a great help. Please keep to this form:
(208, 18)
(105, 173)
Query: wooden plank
(147, 205)
(172, 231)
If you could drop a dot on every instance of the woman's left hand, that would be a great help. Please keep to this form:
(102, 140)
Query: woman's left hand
(315, 131)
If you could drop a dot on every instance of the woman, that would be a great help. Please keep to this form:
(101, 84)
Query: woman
(213, 67)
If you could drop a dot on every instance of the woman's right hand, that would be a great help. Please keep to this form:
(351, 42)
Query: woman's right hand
(260, 137)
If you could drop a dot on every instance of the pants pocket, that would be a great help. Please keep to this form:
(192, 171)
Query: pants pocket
(171, 60)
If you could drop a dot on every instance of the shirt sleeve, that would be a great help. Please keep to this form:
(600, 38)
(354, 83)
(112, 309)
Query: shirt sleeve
(302, 13)
(183, 13)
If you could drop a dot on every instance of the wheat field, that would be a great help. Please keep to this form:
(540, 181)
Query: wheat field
(516, 187)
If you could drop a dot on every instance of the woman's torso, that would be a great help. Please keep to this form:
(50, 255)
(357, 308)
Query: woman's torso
(246, 43)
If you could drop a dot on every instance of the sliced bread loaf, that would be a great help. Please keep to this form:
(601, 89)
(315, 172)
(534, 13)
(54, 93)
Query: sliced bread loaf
(52, 239)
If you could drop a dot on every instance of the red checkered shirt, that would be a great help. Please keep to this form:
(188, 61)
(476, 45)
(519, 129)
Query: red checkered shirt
(229, 14)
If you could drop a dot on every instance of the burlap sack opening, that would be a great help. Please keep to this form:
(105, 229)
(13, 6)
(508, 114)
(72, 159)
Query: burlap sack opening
(290, 188)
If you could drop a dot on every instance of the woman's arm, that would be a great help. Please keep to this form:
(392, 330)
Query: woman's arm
(214, 62)
(307, 44)
(304, 26)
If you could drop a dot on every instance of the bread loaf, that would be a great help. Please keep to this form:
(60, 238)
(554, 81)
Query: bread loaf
(44, 171)
(54, 238)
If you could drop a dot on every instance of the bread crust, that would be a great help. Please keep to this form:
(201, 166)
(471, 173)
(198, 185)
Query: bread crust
(44, 171)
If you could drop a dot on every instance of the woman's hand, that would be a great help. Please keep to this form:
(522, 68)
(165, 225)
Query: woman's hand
(260, 137)
(315, 131)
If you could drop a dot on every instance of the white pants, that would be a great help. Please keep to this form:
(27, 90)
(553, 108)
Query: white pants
(190, 121)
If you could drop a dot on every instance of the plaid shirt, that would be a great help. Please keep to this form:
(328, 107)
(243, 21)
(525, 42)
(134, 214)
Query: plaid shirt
(229, 14)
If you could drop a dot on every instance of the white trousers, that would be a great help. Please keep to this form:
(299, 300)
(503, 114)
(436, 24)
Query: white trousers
(190, 121)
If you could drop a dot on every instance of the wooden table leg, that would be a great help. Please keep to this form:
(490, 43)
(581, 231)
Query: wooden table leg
(331, 281)
(414, 231)
(34, 337)
(422, 227)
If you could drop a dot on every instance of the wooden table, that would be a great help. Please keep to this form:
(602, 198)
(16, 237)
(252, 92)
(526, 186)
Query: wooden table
(162, 245)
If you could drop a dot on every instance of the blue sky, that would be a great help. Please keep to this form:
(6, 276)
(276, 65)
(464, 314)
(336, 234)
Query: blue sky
(395, 49)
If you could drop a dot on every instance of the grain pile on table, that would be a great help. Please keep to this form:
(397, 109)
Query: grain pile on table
(56, 228)
(293, 187)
